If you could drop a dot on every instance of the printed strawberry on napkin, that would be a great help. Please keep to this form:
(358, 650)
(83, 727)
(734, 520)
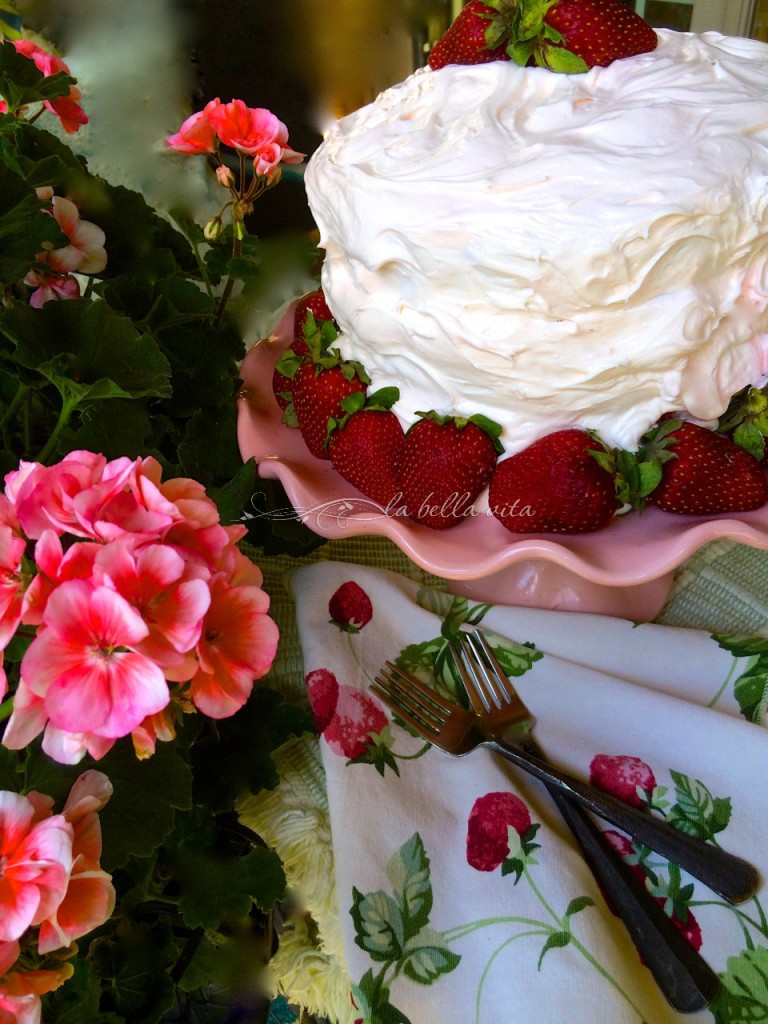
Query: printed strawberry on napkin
(462, 895)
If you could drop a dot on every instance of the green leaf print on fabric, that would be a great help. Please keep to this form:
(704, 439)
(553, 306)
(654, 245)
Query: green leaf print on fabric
(393, 928)
(696, 811)
(750, 688)
(432, 658)
(744, 996)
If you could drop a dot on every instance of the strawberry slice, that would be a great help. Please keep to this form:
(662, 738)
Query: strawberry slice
(477, 36)
(572, 36)
(366, 445)
(706, 474)
(556, 485)
(446, 462)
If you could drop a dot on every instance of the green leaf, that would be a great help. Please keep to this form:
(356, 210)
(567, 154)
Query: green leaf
(750, 437)
(274, 526)
(214, 888)
(408, 872)
(751, 691)
(233, 497)
(554, 941)
(117, 428)
(743, 998)
(563, 61)
(249, 738)
(696, 811)
(134, 964)
(427, 956)
(742, 646)
(79, 999)
(515, 659)
(141, 812)
(578, 903)
(24, 227)
(378, 925)
(103, 352)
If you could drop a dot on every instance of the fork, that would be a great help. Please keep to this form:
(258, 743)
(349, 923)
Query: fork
(458, 731)
(685, 979)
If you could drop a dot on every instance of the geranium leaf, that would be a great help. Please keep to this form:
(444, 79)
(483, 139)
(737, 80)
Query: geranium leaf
(24, 227)
(118, 428)
(141, 812)
(99, 345)
(214, 888)
(249, 737)
(134, 962)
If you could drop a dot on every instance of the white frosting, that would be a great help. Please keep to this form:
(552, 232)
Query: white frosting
(556, 250)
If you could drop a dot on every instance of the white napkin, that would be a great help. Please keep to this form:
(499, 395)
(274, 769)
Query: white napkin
(455, 908)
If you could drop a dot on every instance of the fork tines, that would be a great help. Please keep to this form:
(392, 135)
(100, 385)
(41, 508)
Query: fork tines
(480, 670)
(417, 705)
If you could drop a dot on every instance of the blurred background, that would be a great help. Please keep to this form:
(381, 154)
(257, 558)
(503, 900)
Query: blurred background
(145, 65)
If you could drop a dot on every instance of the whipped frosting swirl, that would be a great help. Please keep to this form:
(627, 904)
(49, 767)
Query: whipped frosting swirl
(556, 250)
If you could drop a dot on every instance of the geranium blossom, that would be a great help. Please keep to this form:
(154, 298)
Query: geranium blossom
(20, 993)
(142, 603)
(90, 896)
(85, 253)
(50, 287)
(83, 665)
(35, 862)
(253, 131)
(237, 646)
(66, 108)
(196, 135)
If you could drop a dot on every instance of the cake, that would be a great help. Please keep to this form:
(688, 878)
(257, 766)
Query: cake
(552, 250)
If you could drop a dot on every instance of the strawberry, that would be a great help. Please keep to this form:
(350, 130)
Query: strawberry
(477, 36)
(281, 384)
(556, 485)
(706, 474)
(317, 382)
(572, 36)
(309, 316)
(350, 607)
(490, 820)
(624, 776)
(357, 716)
(314, 303)
(318, 389)
(323, 690)
(366, 445)
(445, 464)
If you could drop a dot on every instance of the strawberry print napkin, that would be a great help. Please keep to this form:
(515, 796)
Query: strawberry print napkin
(462, 895)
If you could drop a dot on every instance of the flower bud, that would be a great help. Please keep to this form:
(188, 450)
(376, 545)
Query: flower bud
(213, 229)
(226, 176)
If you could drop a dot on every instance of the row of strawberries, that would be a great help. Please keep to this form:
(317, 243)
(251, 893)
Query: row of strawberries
(566, 482)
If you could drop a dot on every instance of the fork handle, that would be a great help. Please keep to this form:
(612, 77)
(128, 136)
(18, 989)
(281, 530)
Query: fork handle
(685, 979)
(729, 876)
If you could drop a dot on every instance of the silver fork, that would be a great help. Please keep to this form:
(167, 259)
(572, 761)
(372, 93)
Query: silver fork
(458, 731)
(686, 980)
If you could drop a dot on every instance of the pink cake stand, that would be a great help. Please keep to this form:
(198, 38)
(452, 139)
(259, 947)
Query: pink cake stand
(625, 570)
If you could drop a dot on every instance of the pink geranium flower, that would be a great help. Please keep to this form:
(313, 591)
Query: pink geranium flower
(20, 993)
(237, 646)
(35, 862)
(153, 579)
(196, 135)
(85, 253)
(253, 131)
(90, 896)
(66, 108)
(50, 287)
(12, 548)
(84, 667)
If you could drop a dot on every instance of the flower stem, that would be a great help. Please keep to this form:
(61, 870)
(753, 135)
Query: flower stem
(68, 407)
